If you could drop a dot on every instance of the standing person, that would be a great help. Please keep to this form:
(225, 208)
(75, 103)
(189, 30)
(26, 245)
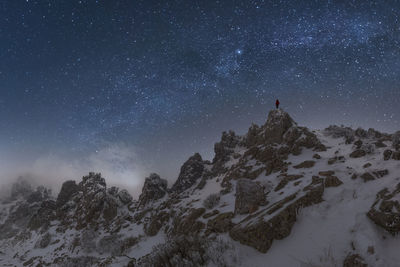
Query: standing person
(277, 103)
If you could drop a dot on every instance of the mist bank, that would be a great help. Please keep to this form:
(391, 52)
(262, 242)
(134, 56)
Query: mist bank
(119, 165)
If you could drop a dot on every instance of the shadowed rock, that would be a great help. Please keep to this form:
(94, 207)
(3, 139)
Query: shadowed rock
(154, 188)
(191, 171)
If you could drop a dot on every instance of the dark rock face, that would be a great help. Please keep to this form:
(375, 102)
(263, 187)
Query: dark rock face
(191, 171)
(260, 233)
(396, 155)
(154, 188)
(68, 189)
(358, 153)
(43, 217)
(157, 221)
(249, 196)
(385, 212)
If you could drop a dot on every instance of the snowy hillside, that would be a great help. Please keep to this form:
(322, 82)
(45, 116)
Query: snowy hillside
(281, 195)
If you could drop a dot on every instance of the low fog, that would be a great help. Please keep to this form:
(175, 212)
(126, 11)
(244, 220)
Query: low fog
(118, 164)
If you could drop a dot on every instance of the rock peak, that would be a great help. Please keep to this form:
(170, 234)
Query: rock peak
(278, 122)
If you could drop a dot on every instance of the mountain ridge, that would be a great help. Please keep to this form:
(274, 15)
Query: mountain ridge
(250, 195)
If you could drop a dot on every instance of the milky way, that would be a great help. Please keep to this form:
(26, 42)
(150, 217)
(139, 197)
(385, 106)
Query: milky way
(166, 77)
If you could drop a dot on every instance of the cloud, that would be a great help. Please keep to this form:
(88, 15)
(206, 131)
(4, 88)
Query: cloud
(119, 164)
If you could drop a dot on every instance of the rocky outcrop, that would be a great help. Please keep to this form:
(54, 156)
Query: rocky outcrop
(223, 151)
(249, 196)
(153, 189)
(385, 212)
(68, 189)
(277, 124)
(259, 233)
(191, 171)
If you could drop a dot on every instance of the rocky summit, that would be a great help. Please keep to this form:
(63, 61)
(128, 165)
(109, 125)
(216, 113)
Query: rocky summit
(279, 195)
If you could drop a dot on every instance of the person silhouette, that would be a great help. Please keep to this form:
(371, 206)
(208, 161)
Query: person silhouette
(277, 103)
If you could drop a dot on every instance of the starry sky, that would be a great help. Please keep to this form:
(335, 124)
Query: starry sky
(165, 78)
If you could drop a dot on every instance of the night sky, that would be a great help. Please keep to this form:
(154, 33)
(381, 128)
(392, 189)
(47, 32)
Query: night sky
(163, 79)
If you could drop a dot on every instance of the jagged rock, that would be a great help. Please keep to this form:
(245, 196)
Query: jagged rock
(305, 164)
(189, 224)
(277, 124)
(367, 177)
(285, 179)
(337, 132)
(154, 188)
(43, 217)
(210, 214)
(260, 233)
(385, 212)
(125, 197)
(249, 196)
(316, 156)
(336, 159)
(379, 144)
(354, 260)
(381, 173)
(332, 181)
(396, 155)
(367, 165)
(190, 172)
(387, 154)
(396, 140)
(68, 189)
(110, 209)
(358, 153)
(21, 188)
(223, 150)
(44, 241)
(358, 143)
(113, 190)
(157, 221)
(220, 224)
(40, 194)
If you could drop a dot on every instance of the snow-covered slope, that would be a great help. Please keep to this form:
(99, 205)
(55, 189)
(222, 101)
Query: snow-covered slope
(281, 195)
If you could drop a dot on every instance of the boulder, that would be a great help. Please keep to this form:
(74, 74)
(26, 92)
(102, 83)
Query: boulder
(154, 188)
(387, 154)
(358, 153)
(385, 212)
(354, 260)
(305, 164)
(332, 181)
(396, 140)
(367, 177)
(249, 196)
(191, 171)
